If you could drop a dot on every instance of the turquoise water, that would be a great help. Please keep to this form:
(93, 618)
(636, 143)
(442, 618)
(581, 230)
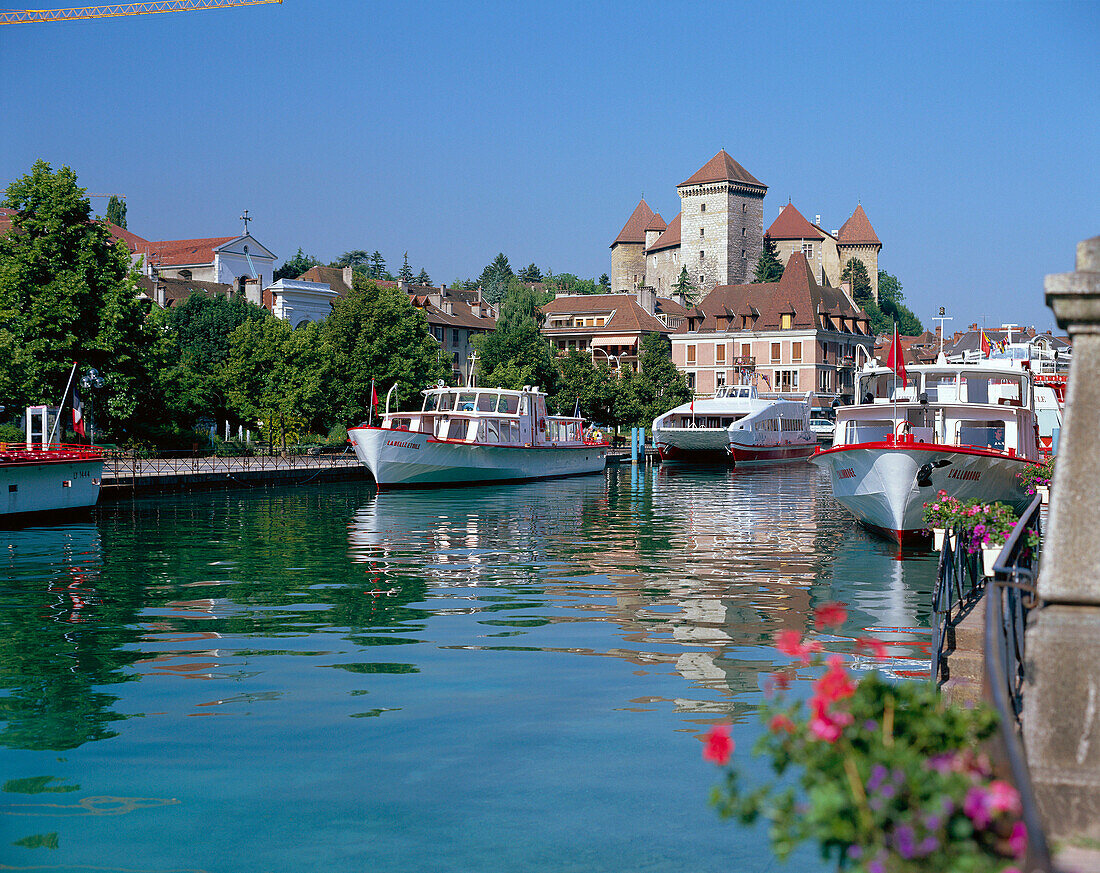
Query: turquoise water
(510, 678)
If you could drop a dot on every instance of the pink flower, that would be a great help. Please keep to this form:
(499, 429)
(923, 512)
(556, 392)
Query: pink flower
(873, 645)
(835, 684)
(1017, 840)
(976, 807)
(781, 722)
(719, 745)
(791, 643)
(1004, 797)
(828, 726)
(830, 615)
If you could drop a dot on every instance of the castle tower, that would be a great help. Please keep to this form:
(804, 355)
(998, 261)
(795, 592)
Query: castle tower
(628, 250)
(722, 223)
(857, 239)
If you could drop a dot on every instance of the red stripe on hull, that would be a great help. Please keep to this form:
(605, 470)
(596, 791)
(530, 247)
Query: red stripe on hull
(777, 453)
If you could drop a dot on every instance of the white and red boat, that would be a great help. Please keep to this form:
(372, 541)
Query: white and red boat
(737, 425)
(965, 428)
(47, 481)
(474, 436)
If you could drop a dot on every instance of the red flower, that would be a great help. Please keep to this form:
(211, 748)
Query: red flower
(873, 645)
(719, 744)
(830, 615)
(790, 642)
(781, 722)
(835, 684)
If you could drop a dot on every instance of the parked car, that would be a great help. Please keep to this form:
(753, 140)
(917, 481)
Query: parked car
(823, 427)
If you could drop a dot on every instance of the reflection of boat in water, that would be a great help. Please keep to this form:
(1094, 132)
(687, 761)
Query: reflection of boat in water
(736, 425)
(966, 429)
(475, 436)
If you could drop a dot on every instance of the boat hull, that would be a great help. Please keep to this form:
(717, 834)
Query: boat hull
(877, 482)
(705, 445)
(35, 488)
(763, 453)
(402, 459)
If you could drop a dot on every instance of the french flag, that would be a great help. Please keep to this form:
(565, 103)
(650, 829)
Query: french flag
(78, 412)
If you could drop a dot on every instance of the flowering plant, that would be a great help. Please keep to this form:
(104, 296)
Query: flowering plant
(945, 511)
(990, 524)
(888, 776)
(1034, 475)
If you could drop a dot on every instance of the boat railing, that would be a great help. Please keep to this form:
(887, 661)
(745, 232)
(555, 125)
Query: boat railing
(1010, 600)
(959, 584)
(51, 452)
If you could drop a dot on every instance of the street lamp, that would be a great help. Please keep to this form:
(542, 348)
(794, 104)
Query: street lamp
(91, 381)
(609, 357)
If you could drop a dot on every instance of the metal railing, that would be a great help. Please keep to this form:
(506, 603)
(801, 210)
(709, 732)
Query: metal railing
(125, 466)
(1011, 598)
(959, 582)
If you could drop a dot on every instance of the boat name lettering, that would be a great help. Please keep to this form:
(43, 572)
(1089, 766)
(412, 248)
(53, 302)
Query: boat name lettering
(846, 473)
(402, 445)
(969, 475)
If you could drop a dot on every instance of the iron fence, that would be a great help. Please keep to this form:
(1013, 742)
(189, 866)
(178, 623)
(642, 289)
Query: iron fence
(121, 467)
(959, 582)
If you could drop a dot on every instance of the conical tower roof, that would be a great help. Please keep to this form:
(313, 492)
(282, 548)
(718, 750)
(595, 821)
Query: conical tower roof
(791, 224)
(722, 168)
(857, 230)
(656, 223)
(634, 229)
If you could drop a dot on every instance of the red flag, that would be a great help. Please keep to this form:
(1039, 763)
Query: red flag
(896, 359)
(987, 346)
(78, 413)
(373, 397)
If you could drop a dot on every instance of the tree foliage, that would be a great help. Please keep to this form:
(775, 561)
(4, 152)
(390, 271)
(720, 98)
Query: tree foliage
(768, 267)
(294, 267)
(891, 301)
(422, 278)
(855, 273)
(406, 274)
(516, 345)
(68, 293)
(660, 386)
(530, 273)
(494, 279)
(116, 211)
(685, 286)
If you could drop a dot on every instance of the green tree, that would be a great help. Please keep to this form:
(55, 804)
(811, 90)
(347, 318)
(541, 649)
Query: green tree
(116, 211)
(659, 386)
(68, 293)
(768, 267)
(294, 267)
(516, 344)
(406, 274)
(530, 273)
(855, 273)
(376, 333)
(891, 301)
(494, 279)
(353, 259)
(422, 278)
(685, 286)
(576, 374)
(377, 266)
(605, 283)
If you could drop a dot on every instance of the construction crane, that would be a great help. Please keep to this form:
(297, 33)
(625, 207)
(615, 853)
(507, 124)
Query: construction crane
(115, 10)
(119, 196)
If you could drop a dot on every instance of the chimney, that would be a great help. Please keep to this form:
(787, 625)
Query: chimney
(647, 298)
(347, 276)
(448, 307)
(939, 329)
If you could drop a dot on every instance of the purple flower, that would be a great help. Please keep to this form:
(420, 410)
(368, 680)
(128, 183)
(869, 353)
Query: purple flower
(903, 839)
(928, 845)
(870, 725)
(888, 791)
(855, 852)
(976, 807)
(878, 775)
(932, 822)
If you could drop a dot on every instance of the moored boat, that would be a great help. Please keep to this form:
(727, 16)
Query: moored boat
(43, 482)
(964, 428)
(737, 425)
(471, 436)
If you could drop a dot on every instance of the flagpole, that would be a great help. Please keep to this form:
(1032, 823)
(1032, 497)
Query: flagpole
(57, 420)
(370, 419)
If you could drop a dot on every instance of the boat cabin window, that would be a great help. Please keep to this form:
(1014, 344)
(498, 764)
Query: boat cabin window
(887, 386)
(989, 434)
(486, 402)
(466, 401)
(513, 431)
(868, 431)
(508, 403)
(401, 423)
(457, 428)
(525, 404)
(431, 402)
(941, 387)
(446, 402)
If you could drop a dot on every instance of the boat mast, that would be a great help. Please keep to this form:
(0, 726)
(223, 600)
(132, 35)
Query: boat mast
(61, 406)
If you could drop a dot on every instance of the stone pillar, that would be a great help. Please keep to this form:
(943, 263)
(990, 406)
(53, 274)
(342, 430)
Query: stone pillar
(1062, 696)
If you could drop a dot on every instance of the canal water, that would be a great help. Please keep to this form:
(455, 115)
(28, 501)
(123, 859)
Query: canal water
(508, 678)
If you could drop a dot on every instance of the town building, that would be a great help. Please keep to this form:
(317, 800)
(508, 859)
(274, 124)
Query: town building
(793, 335)
(610, 327)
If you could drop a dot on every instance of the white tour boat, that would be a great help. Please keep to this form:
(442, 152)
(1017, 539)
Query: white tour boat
(47, 481)
(476, 436)
(964, 428)
(737, 424)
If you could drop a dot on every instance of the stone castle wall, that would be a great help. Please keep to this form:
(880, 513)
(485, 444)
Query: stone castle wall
(627, 266)
(869, 255)
(663, 270)
(721, 233)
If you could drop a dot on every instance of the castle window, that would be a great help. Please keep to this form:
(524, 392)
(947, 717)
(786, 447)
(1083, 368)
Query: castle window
(743, 255)
(701, 232)
(808, 249)
(702, 254)
(744, 207)
(743, 231)
(702, 207)
(702, 278)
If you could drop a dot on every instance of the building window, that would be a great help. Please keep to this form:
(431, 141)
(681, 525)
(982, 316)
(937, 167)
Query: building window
(746, 351)
(691, 354)
(701, 232)
(786, 380)
(720, 353)
(785, 321)
(743, 255)
(719, 378)
(796, 353)
(702, 207)
(690, 379)
(454, 336)
(823, 381)
(808, 250)
(743, 231)
(702, 278)
(702, 254)
(775, 352)
(744, 207)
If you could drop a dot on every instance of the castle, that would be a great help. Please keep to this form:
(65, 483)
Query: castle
(718, 236)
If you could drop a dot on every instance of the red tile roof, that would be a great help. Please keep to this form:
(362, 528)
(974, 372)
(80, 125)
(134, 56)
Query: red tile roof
(670, 238)
(334, 276)
(656, 223)
(634, 229)
(629, 315)
(797, 292)
(722, 168)
(791, 224)
(857, 230)
(180, 252)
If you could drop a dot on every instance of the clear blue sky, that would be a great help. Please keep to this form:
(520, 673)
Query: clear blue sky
(969, 131)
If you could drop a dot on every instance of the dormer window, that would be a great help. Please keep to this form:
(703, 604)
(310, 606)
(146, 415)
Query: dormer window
(185, 274)
(786, 321)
